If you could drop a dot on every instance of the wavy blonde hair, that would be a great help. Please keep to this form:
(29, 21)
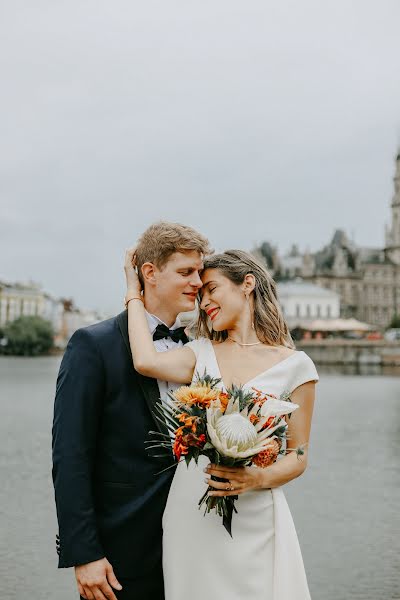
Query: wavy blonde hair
(269, 323)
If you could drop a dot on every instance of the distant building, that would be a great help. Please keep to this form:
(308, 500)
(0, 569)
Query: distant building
(74, 318)
(24, 300)
(366, 279)
(303, 301)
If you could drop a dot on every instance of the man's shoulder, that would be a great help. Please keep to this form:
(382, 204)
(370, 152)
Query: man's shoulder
(102, 327)
(98, 331)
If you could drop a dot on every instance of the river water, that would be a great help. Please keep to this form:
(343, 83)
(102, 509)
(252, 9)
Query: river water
(346, 505)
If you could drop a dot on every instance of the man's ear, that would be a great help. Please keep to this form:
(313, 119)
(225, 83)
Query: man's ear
(148, 273)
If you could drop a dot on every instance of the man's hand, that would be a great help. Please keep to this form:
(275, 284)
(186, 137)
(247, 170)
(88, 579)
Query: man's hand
(96, 579)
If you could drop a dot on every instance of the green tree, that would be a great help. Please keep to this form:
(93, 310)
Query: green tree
(395, 322)
(28, 336)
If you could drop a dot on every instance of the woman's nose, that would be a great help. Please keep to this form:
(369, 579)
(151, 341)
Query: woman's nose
(204, 303)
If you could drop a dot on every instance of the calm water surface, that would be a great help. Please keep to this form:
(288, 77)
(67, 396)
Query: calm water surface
(345, 506)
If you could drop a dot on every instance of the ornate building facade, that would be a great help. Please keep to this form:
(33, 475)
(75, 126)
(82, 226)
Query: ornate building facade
(366, 279)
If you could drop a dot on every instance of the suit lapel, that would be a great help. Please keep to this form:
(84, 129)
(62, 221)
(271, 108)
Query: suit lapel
(148, 385)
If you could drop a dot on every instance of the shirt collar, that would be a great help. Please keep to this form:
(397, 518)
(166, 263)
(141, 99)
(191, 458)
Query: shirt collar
(153, 321)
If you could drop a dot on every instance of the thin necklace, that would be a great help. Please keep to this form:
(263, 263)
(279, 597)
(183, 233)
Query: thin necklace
(240, 344)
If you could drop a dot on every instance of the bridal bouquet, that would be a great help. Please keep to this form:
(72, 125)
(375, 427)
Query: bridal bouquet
(234, 428)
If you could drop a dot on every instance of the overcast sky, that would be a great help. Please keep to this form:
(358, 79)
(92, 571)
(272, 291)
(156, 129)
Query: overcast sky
(249, 120)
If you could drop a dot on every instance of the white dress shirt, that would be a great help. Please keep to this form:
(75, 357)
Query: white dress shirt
(161, 346)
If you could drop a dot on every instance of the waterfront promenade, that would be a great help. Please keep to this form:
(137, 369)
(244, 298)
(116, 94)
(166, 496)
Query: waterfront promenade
(352, 352)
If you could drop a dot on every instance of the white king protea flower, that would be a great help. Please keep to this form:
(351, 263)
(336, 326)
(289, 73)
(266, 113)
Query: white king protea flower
(233, 433)
(236, 431)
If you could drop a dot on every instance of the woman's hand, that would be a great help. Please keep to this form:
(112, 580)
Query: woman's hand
(133, 284)
(239, 480)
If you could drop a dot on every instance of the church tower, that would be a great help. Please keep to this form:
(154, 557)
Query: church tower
(393, 230)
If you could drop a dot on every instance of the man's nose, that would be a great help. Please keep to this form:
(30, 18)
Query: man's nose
(196, 281)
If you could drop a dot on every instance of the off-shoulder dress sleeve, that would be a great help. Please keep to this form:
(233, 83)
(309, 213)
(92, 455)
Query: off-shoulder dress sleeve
(305, 371)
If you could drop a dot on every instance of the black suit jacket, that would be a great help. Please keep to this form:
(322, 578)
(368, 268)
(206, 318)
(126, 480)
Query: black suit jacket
(109, 497)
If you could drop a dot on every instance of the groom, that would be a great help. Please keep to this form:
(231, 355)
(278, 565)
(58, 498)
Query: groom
(109, 500)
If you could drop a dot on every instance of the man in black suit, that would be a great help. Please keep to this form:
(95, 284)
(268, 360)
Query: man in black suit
(109, 499)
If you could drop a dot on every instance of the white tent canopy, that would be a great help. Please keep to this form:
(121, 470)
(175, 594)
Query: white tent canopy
(336, 325)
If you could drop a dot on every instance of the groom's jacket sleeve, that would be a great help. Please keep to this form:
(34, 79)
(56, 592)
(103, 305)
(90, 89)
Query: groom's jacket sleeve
(77, 412)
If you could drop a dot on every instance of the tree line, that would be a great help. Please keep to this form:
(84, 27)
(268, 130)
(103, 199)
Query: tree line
(26, 336)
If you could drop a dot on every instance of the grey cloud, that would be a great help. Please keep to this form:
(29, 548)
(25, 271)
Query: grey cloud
(248, 120)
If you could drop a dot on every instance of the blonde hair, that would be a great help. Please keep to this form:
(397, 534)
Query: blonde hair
(163, 239)
(269, 323)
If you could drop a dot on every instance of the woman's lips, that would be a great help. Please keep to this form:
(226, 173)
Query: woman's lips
(212, 313)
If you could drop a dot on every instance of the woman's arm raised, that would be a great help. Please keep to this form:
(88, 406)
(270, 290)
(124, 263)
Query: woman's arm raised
(172, 365)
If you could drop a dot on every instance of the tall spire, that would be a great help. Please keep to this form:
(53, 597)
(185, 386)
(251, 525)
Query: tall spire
(396, 180)
(393, 231)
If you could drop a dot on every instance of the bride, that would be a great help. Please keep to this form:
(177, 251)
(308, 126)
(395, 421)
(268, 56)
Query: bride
(242, 339)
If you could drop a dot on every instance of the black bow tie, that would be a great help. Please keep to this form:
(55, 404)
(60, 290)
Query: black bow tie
(162, 332)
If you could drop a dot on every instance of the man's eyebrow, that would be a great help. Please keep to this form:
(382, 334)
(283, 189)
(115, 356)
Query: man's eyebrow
(190, 269)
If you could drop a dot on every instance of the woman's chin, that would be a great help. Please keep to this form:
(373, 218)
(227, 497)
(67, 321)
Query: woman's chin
(218, 326)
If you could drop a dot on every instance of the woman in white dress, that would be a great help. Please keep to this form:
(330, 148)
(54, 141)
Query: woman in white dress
(243, 340)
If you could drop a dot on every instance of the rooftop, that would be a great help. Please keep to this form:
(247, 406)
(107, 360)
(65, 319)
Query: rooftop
(303, 288)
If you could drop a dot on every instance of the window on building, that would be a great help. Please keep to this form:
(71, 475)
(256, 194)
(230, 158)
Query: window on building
(308, 310)
(318, 310)
(297, 310)
(328, 310)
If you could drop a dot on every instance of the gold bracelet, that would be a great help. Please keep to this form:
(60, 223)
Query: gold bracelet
(127, 299)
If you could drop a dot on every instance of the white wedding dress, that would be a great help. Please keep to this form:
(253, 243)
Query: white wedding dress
(262, 561)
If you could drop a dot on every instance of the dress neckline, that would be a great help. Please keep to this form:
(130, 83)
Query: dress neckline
(295, 352)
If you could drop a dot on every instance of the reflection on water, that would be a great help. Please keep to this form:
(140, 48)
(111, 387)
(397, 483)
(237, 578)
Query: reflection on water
(345, 506)
(360, 369)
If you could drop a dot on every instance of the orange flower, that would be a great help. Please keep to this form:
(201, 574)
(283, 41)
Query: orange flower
(254, 419)
(224, 399)
(268, 423)
(202, 395)
(189, 421)
(193, 440)
(179, 448)
(261, 397)
(268, 456)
